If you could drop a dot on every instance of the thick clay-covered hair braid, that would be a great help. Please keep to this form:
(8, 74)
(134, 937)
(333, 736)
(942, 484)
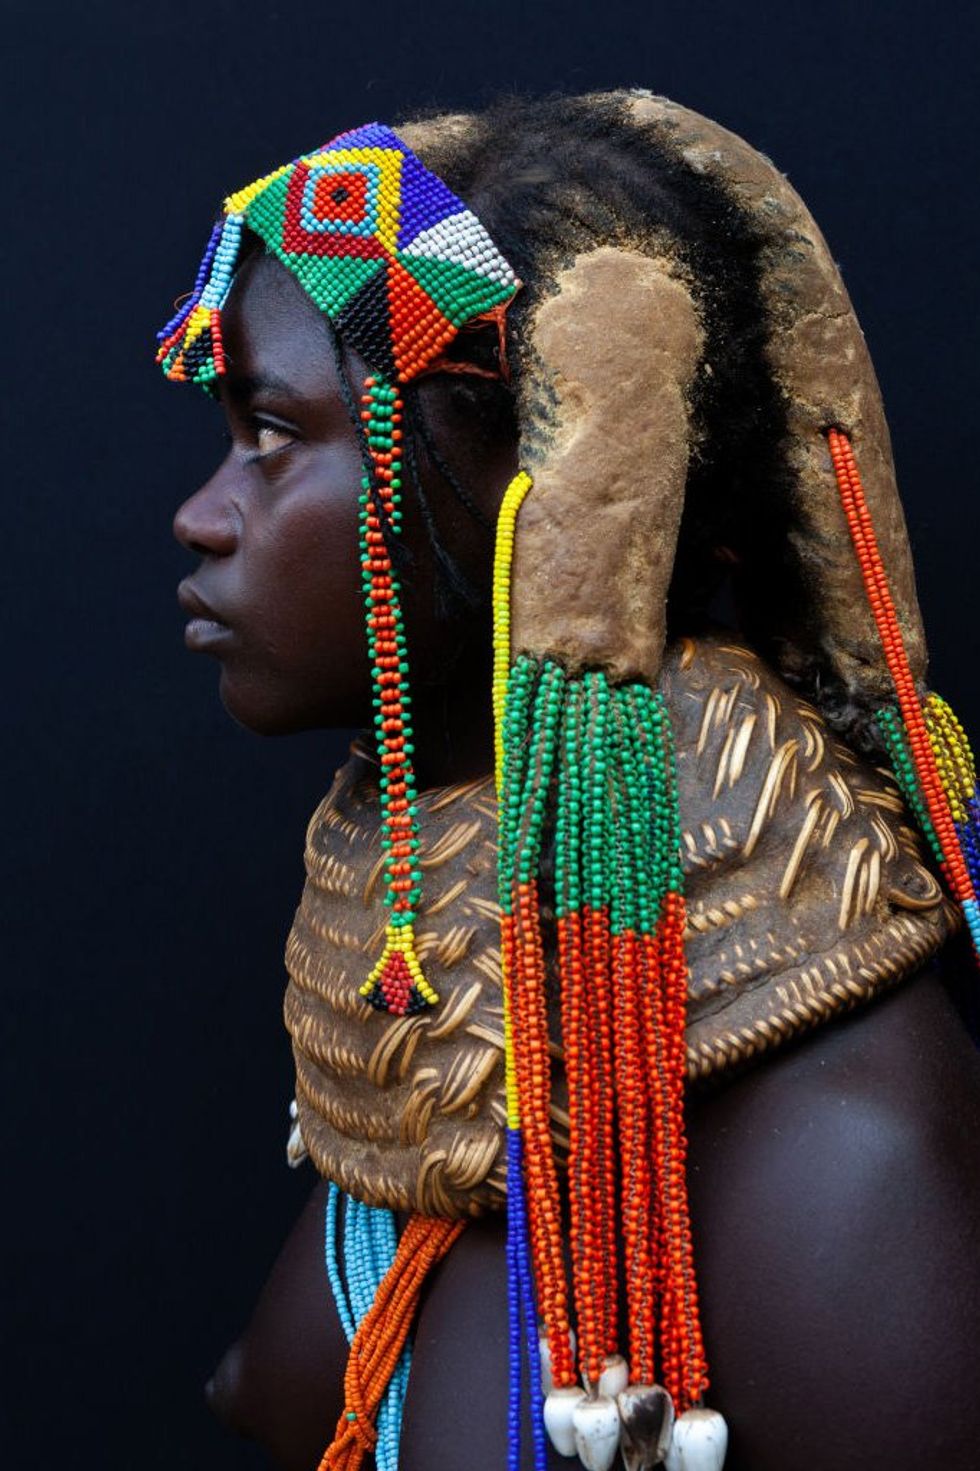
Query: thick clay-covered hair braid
(569, 185)
(552, 178)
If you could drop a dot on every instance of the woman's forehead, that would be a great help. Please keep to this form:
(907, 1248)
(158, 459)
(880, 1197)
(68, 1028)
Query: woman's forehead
(274, 334)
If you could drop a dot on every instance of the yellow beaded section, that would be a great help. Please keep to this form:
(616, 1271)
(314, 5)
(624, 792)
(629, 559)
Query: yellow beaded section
(954, 758)
(238, 203)
(197, 322)
(503, 559)
(400, 940)
(502, 562)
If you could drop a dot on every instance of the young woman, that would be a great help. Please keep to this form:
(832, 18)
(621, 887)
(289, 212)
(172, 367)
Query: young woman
(655, 332)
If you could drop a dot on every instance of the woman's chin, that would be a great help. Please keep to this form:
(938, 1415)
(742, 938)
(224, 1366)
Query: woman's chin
(260, 706)
(254, 706)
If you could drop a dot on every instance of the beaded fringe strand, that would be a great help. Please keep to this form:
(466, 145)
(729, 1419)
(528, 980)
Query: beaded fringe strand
(396, 983)
(928, 747)
(378, 1341)
(521, 1304)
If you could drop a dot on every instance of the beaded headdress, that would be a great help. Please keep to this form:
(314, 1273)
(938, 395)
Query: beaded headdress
(585, 763)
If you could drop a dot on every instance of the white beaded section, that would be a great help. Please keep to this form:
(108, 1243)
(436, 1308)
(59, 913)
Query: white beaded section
(461, 238)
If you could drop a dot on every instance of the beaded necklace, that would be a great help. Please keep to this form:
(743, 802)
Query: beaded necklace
(370, 1245)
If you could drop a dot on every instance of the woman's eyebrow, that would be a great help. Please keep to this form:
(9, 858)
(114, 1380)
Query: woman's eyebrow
(248, 385)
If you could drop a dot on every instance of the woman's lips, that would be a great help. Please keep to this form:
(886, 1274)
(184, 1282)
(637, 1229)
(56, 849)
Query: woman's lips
(205, 633)
(205, 629)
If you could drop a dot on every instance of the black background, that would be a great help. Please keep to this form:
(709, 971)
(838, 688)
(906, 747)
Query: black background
(154, 849)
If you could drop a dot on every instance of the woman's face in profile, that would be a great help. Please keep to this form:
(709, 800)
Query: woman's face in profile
(276, 597)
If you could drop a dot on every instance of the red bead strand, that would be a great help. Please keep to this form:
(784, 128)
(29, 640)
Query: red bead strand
(533, 1068)
(637, 1208)
(879, 597)
(381, 1336)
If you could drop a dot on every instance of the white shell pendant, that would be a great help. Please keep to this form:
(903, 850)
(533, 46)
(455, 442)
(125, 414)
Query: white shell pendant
(699, 1443)
(647, 1413)
(559, 1407)
(544, 1348)
(596, 1423)
(614, 1377)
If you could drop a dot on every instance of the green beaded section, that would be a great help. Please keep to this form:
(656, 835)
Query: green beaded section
(378, 432)
(568, 820)
(596, 828)
(458, 293)
(544, 733)
(892, 731)
(604, 758)
(331, 281)
(659, 777)
(632, 829)
(519, 699)
(623, 859)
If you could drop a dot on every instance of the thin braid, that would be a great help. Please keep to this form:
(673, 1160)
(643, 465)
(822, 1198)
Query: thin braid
(453, 588)
(454, 591)
(421, 428)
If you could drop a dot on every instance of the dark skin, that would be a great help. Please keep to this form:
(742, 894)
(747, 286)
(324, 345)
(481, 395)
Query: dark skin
(276, 531)
(835, 1192)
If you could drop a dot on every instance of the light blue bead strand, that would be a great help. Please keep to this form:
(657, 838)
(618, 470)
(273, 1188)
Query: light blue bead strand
(369, 1247)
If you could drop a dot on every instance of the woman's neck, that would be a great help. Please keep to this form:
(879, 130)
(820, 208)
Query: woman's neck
(453, 728)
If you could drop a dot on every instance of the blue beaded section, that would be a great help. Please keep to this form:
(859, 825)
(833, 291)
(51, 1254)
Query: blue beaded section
(521, 1315)
(969, 835)
(200, 282)
(364, 228)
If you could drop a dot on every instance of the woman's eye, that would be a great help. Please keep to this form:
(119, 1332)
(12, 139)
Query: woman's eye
(269, 438)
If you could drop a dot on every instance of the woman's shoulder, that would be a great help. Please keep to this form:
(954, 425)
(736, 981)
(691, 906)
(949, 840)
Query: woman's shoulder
(836, 1201)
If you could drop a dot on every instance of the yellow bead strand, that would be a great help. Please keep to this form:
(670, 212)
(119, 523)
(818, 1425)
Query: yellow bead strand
(502, 563)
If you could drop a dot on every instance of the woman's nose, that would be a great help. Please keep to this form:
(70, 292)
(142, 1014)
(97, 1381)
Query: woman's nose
(208, 523)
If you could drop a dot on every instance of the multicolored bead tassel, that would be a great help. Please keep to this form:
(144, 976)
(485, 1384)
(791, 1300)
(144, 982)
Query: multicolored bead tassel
(396, 983)
(522, 1306)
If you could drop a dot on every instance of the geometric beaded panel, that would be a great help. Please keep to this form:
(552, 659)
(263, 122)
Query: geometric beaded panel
(382, 246)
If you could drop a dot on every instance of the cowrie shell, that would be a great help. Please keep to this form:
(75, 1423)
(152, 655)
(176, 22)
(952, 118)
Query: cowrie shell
(699, 1442)
(647, 1413)
(559, 1407)
(596, 1424)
